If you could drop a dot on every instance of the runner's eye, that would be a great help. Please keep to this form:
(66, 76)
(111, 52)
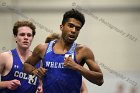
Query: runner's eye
(22, 34)
(29, 35)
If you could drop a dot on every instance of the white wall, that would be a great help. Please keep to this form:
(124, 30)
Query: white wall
(108, 31)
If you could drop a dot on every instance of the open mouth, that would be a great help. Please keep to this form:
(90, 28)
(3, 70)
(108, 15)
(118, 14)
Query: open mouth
(71, 36)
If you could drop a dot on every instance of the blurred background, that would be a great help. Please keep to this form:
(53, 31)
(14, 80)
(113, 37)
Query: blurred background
(112, 31)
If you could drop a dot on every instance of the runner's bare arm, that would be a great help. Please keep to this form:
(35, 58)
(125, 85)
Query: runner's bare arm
(94, 74)
(29, 65)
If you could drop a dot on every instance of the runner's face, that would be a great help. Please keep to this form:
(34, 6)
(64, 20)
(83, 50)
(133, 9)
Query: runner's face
(24, 37)
(70, 30)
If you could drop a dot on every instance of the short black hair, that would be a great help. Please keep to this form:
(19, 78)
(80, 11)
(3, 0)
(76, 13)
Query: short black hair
(73, 13)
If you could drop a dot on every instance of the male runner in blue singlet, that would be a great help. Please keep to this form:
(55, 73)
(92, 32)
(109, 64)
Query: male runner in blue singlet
(64, 59)
(13, 78)
(55, 36)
